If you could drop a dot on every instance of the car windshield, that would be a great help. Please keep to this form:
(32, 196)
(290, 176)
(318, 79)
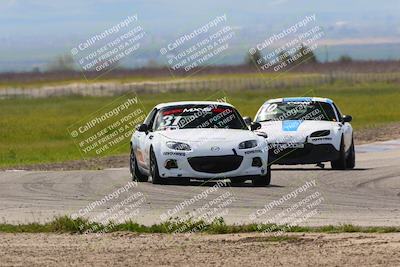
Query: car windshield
(313, 110)
(198, 116)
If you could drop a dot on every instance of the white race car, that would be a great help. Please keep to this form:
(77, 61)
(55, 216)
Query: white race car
(304, 130)
(200, 140)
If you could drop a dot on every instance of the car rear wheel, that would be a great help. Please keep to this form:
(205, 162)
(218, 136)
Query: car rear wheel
(340, 163)
(155, 175)
(263, 180)
(134, 169)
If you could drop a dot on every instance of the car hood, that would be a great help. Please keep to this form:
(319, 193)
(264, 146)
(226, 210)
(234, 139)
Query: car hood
(295, 130)
(213, 134)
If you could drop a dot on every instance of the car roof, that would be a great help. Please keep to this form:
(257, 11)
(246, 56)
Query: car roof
(299, 99)
(182, 103)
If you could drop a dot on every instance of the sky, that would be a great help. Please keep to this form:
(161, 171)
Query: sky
(35, 31)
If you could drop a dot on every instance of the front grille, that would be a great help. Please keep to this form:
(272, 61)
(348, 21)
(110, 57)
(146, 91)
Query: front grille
(215, 164)
(307, 155)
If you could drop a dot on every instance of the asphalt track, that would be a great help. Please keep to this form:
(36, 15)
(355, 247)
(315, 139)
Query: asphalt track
(368, 195)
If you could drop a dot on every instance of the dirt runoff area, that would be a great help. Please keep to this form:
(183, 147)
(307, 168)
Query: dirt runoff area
(131, 249)
(382, 133)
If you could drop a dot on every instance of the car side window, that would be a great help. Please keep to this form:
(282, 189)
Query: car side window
(151, 122)
(150, 118)
(156, 118)
(337, 111)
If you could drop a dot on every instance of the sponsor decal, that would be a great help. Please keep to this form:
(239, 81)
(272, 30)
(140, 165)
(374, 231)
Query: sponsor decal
(322, 139)
(174, 154)
(288, 145)
(253, 151)
(192, 110)
(290, 125)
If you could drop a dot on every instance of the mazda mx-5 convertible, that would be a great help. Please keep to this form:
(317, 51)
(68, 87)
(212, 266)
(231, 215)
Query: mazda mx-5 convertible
(305, 130)
(198, 140)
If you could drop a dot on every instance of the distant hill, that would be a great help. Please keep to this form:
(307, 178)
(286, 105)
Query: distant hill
(35, 32)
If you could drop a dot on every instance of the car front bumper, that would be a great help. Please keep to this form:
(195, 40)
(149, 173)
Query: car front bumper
(220, 166)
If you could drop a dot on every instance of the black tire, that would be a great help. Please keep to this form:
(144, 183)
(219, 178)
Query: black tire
(134, 169)
(238, 180)
(351, 157)
(340, 163)
(155, 175)
(262, 180)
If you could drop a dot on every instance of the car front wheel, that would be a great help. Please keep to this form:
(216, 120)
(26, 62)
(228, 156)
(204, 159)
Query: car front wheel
(351, 157)
(263, 180)
(155, 175)
(340, 163)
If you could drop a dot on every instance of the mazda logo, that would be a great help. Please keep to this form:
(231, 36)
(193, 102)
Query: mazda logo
(215, 148)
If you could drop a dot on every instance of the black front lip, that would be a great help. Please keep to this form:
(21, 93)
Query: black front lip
(310, 154)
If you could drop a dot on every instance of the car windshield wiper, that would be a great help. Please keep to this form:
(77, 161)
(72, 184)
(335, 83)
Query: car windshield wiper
(266, 120)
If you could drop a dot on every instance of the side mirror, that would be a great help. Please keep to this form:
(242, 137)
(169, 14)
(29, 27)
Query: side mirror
(247, 120)
(262, 134)
(347, 118)
(255, 126)
(143, 128)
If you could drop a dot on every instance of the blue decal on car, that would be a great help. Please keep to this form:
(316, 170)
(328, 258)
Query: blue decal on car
(290, 125)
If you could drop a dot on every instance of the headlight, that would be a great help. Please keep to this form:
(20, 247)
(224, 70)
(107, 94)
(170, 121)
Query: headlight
(248, 144)
(320, 133)
(178, 146)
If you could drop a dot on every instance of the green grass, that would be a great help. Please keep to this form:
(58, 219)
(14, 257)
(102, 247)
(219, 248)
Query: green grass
(81, 226)
(35, 130)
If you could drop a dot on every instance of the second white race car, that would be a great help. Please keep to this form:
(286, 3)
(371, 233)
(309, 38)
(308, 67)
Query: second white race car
(200, 140)
(304, 130)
